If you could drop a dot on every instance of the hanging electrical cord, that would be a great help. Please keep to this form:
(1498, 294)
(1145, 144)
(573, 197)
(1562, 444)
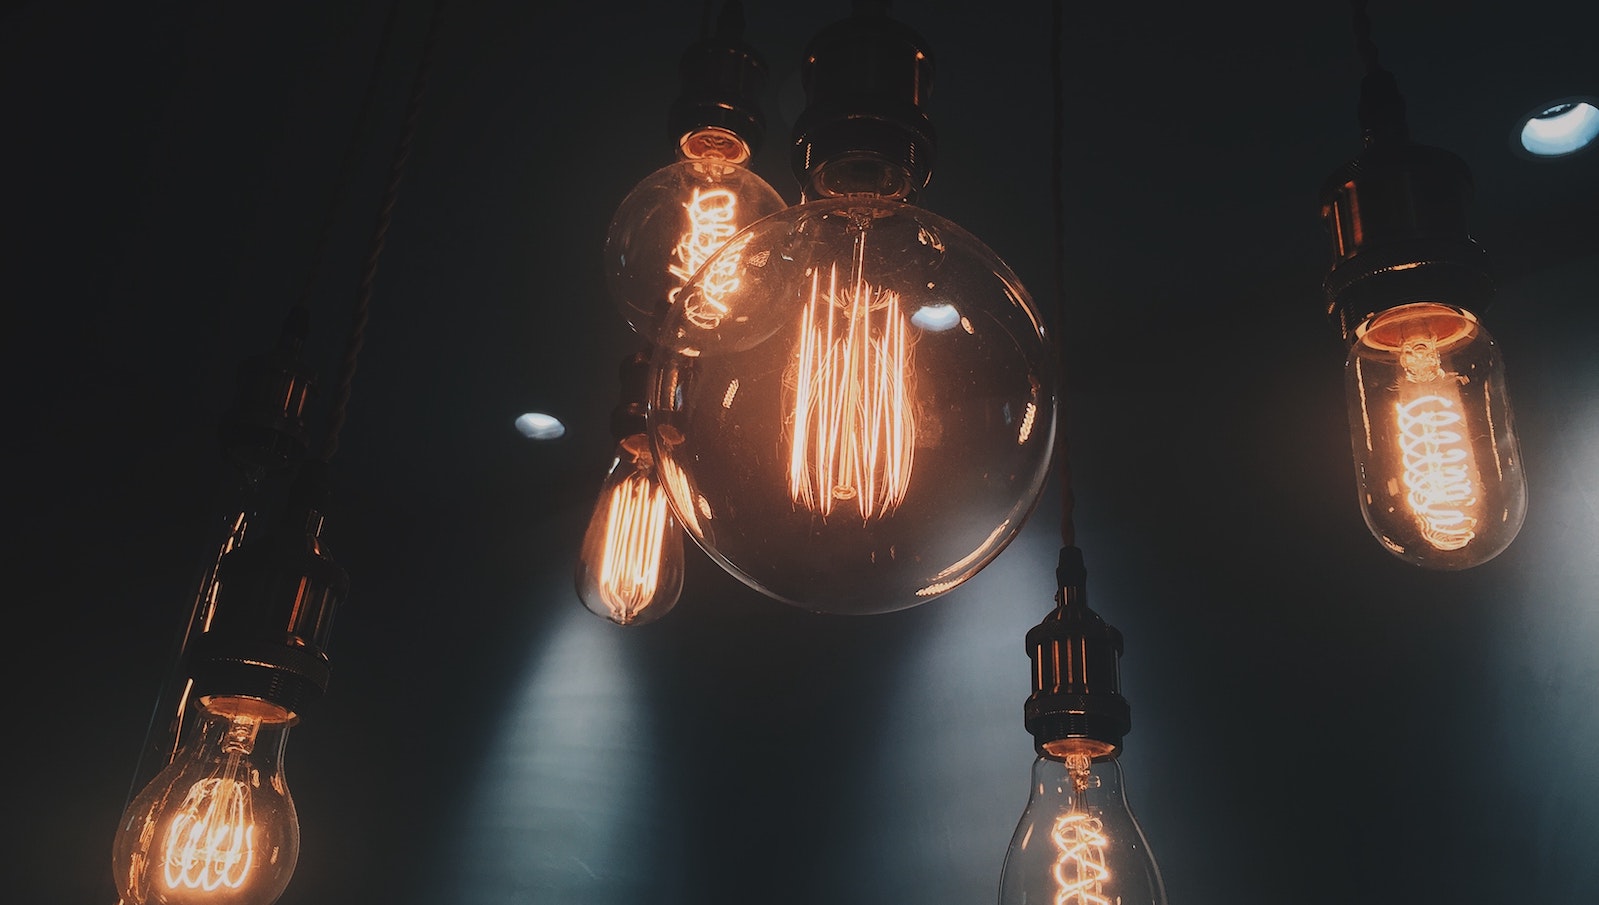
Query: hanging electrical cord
(358, 321)
(1068, 529)
(346, 171)
(1437, 462)
(1360, 20)
(261, 434)
(261, 659)
(1077, 839)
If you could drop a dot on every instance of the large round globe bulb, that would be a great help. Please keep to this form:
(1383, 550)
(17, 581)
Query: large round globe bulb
(676, 218)
(853, 405)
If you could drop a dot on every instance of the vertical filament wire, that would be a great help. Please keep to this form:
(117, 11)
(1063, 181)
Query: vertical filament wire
(1432, 445)
(211, 842)
(635, 532)
(853, 433)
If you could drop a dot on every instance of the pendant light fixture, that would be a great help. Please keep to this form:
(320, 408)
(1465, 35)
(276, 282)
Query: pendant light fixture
(630, 567)
(678, 216)
(630, 570)
(852, 406)
(217, 825)
(1438, 466)
(1077, 842)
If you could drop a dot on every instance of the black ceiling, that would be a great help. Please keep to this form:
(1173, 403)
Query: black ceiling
(1314, 721)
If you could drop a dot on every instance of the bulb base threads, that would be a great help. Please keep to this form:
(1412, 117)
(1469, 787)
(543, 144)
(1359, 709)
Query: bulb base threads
(863, 130)
(1076, 675)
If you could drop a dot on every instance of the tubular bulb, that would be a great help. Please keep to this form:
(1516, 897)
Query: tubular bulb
(217, 826)
(1437, 462)
(675, 219)
(1078, 842)
(630, 570)
(868, 420)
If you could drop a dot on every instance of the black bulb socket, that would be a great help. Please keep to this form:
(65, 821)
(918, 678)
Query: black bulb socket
(721, 80)
(1396, 218)
(863, 129)
(1076, 658)
(628, 417)
(264, 430)
(276, 599)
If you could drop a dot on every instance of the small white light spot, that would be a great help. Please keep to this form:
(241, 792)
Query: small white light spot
(936, 318)
(539, 426)
(1556, 130)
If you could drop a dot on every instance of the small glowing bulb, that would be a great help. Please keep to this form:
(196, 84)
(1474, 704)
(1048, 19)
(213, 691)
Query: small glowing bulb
(674, 220)
(631, 567)
(218, 824)
(1437, 459)
(1078, 842)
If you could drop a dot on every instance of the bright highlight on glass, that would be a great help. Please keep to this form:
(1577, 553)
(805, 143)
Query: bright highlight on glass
(539, 426)
(1561, 129)
(936, 318)
(630, 570)
(1437, 460)
(217, 825)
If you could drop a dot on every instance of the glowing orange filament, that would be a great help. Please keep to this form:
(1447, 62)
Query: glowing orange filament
(1436, 459)
(1080, 842)
(712, 220)
(853, 430)
(211, 842)
(635, 533)
(1080, 871)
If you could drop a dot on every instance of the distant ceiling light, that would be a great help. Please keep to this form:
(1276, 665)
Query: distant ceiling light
(539, 426)
(1556, 130)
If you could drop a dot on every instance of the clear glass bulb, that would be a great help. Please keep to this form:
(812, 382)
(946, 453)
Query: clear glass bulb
(217, 826)
(1078, 842)
(853, 405)
(631, 568)
(1437, 462)
(675, 218)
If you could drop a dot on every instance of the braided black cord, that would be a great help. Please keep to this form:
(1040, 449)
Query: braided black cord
(402, 152)
(1068, 530)
(1361, 21)
(346, 170)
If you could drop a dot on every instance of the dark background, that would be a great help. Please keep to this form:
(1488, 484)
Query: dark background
(1314, 720)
